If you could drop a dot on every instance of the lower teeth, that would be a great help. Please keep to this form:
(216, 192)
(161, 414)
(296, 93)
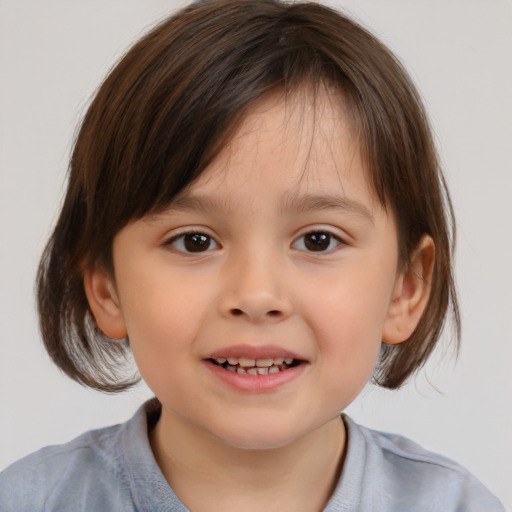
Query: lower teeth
(257, 371)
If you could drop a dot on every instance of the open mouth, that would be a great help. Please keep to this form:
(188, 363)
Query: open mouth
(248, 366)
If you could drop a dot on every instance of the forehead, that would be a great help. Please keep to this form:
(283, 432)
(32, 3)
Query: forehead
(286, 147)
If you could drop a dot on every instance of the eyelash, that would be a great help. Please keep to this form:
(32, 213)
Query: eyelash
(181, 238)
(330, 237)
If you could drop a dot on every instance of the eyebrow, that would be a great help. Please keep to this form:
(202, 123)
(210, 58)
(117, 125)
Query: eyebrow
(199, 203)
(290, 204)
(311, 203)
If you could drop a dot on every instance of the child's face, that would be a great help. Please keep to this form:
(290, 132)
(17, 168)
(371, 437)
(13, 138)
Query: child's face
(292, 256)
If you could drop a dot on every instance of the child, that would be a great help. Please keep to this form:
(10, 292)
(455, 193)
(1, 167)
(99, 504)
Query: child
(255, 211)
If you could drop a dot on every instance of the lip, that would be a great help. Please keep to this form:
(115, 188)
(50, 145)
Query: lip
(255, 383)
(254, 352)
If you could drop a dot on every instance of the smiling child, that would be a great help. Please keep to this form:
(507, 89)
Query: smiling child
(255, 211)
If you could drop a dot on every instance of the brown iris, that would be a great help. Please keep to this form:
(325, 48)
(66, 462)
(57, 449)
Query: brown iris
(317, 241)
(196, 242)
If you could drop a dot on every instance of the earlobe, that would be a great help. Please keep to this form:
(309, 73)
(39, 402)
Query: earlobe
(410, 294)
(104, 303)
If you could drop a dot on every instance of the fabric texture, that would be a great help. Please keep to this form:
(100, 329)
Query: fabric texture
(114, 469)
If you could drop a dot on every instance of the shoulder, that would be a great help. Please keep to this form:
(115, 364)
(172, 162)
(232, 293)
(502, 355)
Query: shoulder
(396, 473)
(62, 477)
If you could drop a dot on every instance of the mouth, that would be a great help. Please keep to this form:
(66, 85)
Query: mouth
(249, 366)
(256, 369)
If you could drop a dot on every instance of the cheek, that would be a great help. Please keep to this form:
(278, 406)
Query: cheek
(349, 338)
(162, 321)
(351, 306)
(349, 347)
(347, 317)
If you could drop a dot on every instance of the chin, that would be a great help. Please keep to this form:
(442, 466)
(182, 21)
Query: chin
(255, 435)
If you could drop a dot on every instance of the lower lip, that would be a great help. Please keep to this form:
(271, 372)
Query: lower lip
(255, 383)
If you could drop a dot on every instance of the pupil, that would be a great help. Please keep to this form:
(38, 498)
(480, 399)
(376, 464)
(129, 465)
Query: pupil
(317, 241)
(196, 242)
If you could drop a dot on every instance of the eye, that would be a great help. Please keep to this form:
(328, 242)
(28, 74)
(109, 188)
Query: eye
(317, 241)
(192, 242)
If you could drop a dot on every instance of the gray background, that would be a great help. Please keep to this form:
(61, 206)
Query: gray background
(53, 54)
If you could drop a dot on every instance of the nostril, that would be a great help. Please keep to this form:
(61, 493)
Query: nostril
(239, 312)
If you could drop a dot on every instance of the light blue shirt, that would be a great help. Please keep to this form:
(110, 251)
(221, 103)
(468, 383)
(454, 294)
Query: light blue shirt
(113, 469)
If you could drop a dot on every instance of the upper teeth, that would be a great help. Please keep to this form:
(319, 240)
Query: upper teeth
(249, 363)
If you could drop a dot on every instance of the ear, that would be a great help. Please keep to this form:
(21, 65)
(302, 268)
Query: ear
(104, 303)
(410, 294)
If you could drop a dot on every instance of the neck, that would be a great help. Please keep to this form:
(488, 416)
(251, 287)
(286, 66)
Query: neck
(208, 474)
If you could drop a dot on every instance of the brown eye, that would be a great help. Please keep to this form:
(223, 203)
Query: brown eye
(196, 242)
(193, 243)
(317, 241)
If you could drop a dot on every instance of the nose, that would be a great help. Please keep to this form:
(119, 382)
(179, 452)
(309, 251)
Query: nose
(254, 288)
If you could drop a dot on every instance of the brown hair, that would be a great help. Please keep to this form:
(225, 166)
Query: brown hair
(169, 106)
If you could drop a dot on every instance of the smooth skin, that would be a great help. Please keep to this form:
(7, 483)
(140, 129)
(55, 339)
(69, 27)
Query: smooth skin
(282, 242)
